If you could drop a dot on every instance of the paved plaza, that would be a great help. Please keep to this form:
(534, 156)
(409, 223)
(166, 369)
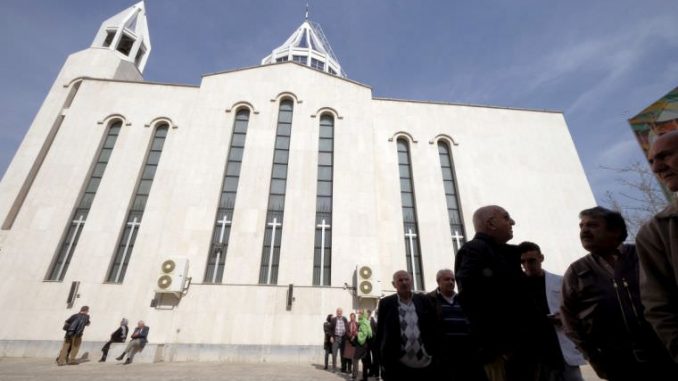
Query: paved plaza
(32, 369)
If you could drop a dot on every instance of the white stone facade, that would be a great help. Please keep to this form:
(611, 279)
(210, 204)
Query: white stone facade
(521, 159)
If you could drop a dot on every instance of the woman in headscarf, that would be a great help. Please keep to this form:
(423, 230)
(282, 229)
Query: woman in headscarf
(363, 334)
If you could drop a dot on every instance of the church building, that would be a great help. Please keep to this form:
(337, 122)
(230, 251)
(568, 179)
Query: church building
(233, 216)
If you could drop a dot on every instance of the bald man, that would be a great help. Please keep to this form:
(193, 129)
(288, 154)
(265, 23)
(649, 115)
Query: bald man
(405, 333)
(657, 245)
(493, 294)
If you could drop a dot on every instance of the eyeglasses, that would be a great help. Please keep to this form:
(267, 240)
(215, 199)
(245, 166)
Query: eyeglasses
(528, 260)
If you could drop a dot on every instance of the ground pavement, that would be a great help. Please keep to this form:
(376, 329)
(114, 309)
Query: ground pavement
(32, 369)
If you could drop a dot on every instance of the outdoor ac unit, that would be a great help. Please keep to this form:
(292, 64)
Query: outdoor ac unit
(366, 286)
(173, 273)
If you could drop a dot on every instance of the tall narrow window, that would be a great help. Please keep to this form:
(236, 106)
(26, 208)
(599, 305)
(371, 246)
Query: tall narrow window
(451, 195)
(136, 211)
(322, 257)
(222, 228)
(79, 216)
(411, 228)
(270, 255)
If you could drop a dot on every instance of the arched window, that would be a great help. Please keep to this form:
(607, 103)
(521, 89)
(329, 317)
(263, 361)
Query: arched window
(452, 196)
(410, 226)
(270, 255)
(79, 215)
(222, 229)
(322, 253)
(135, 213)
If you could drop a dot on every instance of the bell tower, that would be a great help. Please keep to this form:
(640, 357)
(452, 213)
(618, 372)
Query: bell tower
(119, 51)
(127, 35)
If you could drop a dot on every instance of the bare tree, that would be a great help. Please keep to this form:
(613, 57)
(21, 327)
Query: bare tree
(641, 196)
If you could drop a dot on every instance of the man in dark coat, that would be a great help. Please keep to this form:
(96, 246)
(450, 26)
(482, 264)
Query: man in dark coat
(74, 327)
(118, 336)
(457, 349)
(405, 333)
(493, 295)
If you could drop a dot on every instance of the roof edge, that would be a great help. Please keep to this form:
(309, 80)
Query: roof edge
(465, 104)
(285, 63)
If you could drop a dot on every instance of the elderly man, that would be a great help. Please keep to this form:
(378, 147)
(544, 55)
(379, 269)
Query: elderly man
(139, 339)
(493, 295)
(338, 327)
(405, 332)
(657, 244)
(560, 360)
(601, 308)
(457, 352)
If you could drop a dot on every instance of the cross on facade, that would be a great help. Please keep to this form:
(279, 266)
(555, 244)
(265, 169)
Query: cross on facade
(79, 223)
(133, 224)
(411, 236)
(273, 224)
(222, 222)
(322, 227)
(457, 238)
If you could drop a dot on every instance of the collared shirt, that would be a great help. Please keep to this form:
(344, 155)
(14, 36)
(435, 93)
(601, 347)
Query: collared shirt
(340, 328)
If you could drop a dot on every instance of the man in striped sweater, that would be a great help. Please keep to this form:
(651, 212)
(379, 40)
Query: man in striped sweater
(458, 353)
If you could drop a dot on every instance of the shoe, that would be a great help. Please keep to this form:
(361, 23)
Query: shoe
(103, 359)
(120, 357)
(128, 361)
(73, 363)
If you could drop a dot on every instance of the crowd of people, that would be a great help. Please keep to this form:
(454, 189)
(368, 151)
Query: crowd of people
(616, 307)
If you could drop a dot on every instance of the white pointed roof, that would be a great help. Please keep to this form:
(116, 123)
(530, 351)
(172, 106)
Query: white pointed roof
(308, 46)
(127, 34)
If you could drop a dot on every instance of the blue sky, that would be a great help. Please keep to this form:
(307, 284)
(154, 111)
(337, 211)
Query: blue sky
(599, 62)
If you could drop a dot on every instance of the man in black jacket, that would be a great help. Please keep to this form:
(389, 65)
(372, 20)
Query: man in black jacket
(405, 332)
(118, 336)
(493, 295)
(74, 327)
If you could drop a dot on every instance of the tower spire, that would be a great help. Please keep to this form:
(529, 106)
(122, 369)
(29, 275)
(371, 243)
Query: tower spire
(127, 34)
(307, 46)
(306, 17)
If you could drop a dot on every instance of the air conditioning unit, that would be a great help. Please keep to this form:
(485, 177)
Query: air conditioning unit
(366, 282)
(173, 273)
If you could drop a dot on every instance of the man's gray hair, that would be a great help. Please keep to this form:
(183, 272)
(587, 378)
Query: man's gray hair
(442, 272)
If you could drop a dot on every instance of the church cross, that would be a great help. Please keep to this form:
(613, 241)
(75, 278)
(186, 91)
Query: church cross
(133, 224)
(411, 236)
(273, 224)
(322, 227)
(78, 225)
(457, 238)
(223, 222)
